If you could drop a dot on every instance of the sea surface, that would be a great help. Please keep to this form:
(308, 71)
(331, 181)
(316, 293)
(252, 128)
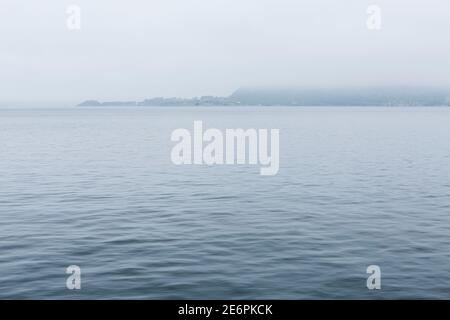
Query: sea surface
(95, 187)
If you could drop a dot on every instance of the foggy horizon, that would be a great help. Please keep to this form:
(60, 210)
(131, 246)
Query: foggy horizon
(436, 91)
(187, 49)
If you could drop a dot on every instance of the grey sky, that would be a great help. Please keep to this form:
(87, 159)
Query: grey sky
(130, 50)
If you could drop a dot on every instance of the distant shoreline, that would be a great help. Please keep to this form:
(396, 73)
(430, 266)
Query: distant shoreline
(302, 97)
(266, 106)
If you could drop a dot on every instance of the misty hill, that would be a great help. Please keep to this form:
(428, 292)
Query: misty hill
(400, 96)
(260, 96)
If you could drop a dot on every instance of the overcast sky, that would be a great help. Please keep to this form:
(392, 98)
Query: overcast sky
(134, 49)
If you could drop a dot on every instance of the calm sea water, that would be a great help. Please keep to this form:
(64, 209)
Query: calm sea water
(96, 188)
